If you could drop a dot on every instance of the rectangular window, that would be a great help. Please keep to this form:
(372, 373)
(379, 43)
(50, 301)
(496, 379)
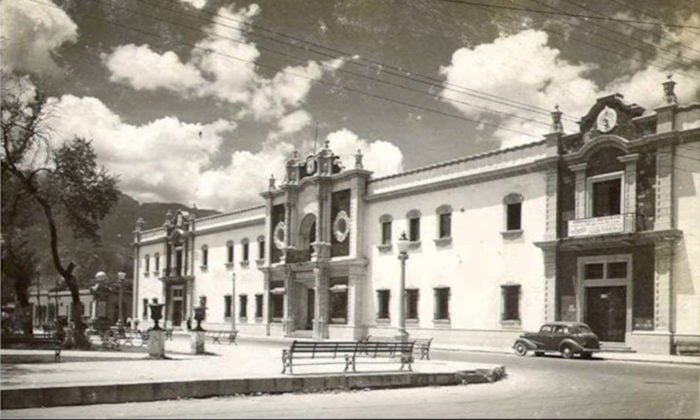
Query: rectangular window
(243, 306)
(144, 314)
(339, 307)
(156, 263)
(261, 250)
(411, 303)
(205, 257)
(245, 251)
(383, 304)
(593, 271)
(617, 270)
(227, 306)
(386, 233)
(606, 197)
(445, 225)
(414, 229)
(229, 256)
(258, 306)
(442, 303)
(511, 303)
(276, 306)
(514, 216)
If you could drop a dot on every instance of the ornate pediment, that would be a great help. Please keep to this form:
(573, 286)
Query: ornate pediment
(610, 115)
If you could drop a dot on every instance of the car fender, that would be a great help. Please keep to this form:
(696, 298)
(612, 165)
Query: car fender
(577, 347)
(531, 345)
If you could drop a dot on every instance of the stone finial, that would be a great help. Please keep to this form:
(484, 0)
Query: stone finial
(557, 126)
(168, 218)
(327, 144)
(358, 159)
(295, 155)
(271, 182)
(139, 224)
(669, 94)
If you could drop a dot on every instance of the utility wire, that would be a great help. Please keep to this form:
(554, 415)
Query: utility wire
(650, 15)
(342, 87)
(359, 75)
(545, 12)
(659, 48)
(564, 36)
(375, 65)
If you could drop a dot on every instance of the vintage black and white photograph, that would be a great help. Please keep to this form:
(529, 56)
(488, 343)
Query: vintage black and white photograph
(350, 209)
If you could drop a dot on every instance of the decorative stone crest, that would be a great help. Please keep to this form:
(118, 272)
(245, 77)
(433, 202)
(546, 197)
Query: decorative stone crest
(607, 120)
(341, 226)
(279, 235)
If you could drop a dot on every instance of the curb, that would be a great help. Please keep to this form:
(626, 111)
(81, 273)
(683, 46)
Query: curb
(155, 391)
(599, 356)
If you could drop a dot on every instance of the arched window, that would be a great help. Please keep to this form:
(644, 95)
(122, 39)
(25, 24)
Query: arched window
(261, 247)
(513, 209)
(156, 263)
(229, 252)
(413, 219)
(146, 264)
(246, 250)
(385, 225)
(205, 256)
(444, 223)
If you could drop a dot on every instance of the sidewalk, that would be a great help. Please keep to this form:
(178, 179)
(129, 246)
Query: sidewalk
(621, 356)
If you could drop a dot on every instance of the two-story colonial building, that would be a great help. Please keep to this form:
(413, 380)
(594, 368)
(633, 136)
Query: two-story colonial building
(601, 226)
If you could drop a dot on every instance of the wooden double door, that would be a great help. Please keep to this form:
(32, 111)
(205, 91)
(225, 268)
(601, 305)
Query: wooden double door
(606, 310)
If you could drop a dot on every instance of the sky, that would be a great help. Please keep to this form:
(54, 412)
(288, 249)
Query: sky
(201, 101)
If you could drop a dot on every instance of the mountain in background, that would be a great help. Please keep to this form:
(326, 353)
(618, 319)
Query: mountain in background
(115, 251)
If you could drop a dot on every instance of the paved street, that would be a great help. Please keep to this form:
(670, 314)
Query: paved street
(535, 387)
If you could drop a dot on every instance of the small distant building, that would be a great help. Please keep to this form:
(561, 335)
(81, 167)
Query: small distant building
(600, 226)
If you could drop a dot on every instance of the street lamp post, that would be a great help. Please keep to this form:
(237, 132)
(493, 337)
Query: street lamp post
(120, 319)
(402, 244)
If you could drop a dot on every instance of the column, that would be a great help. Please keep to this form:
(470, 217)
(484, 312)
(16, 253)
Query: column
(630, 191)
(266, 301)
(288, 321)
(663, 252)
(664, 185)
(321, 303)
(580, 192)
(550, 282)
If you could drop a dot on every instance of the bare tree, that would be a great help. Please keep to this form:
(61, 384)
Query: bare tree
(61, 178)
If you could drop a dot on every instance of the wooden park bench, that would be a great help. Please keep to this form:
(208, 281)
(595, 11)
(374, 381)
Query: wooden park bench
(216, 336)
(38, 340)
(422, 345)
(348, 350)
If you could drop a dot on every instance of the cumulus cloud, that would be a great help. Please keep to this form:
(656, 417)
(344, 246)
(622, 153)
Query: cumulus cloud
(221, 66)
(159, 160)
(523, 67)
(197, 4)
(380, 157)
(32, 34)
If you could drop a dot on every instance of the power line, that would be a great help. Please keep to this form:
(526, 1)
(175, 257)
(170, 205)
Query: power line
(299, 59)
(349, 89)
(545, 12)
(651, 16)
(382, 67)
(625, 36)
(598, 47)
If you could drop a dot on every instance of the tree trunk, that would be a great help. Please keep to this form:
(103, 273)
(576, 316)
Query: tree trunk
(77, 338)
(23, 313)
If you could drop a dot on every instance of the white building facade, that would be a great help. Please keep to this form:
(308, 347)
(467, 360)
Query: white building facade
(601, 226)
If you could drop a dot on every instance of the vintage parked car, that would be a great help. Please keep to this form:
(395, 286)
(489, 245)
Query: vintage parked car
(567, 338)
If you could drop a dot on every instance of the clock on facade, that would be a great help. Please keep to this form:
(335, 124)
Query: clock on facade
(311, 166)
(607, 119)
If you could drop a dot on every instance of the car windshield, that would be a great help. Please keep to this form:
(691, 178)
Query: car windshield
(583, 329)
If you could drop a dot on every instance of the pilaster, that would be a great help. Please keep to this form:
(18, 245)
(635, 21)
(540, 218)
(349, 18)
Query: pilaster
(266, 301)
(630, 191)
(580, 192)
(663, 252)
(664, 187)
(549, 254)
(288, 322)
(551, 204)
(321, 304)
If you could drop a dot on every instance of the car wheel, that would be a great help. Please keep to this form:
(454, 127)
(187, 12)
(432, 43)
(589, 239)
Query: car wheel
(567, 351)
(539, 353)
(520, 349)
(586, 355)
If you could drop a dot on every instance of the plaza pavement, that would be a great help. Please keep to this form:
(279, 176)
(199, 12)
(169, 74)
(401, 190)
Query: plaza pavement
(29, 378)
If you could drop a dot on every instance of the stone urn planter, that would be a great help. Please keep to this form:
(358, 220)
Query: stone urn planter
(199, 312)
(156, 314)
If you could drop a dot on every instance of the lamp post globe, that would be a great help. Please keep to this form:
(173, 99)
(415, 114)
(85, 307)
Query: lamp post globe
(402, 244)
